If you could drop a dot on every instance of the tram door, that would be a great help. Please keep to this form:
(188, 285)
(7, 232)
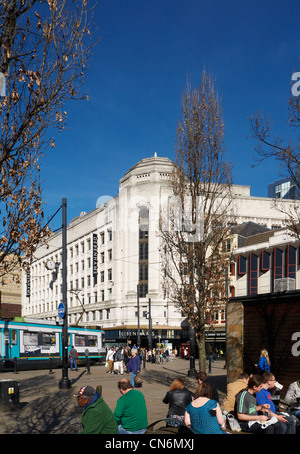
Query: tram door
(10, 347)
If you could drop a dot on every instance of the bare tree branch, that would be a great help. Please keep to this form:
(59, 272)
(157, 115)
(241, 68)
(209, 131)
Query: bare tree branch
(193, 255)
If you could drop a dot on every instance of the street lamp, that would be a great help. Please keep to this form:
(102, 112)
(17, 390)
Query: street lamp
(138, 317)
(64, 383)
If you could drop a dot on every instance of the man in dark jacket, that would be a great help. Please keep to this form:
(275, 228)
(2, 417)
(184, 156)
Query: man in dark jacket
(97, 418)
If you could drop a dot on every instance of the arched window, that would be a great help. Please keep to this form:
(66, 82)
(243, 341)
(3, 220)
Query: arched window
(143, 251)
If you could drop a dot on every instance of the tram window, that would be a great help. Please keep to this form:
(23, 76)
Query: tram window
(48, 339)
(85, 341)
(30, 338)
(6, 336)
(14, 337)
(79, 341)
(92, 341)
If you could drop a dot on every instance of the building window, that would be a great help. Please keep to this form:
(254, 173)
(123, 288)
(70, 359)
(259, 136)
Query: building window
(143, 274)
(253, 274)
(291, 262)
(278, 263)
(143, 251)
(232, 269)
(143, 290)
(242, 265)
(265, 261)
(109, 274)
(143, 255)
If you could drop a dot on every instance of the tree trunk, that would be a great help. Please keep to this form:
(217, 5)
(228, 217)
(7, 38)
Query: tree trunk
(201, 350)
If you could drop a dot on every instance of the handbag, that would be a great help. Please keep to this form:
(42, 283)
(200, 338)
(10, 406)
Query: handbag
(138, 379)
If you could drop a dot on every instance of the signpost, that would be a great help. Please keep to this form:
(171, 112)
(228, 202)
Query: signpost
(61, 310)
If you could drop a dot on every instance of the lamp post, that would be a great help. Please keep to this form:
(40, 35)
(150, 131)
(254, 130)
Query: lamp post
(138, 317)
(64, 383)
(150, 326)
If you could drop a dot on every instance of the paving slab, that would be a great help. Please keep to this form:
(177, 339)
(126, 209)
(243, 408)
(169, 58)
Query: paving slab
(46, 409)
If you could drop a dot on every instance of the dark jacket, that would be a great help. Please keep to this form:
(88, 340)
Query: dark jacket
(178, 400)
(134, 364)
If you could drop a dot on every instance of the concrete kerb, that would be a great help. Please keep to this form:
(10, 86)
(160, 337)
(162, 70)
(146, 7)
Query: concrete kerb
(46, 409)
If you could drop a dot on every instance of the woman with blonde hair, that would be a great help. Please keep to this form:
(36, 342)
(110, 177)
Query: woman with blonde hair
(264, 363)
(178, 397)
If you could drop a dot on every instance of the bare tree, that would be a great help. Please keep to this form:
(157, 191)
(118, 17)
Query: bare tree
(198, 216)
(285, 151)
(45, 46)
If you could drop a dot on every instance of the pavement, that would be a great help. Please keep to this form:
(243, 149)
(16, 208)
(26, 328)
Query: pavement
(44, 408)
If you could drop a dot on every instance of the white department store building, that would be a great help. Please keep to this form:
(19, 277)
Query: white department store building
(115, 248)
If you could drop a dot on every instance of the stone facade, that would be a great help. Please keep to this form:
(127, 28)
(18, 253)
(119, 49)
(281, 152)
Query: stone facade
(108, 258)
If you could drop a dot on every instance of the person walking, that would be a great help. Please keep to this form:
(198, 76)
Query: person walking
(97, 417)
(264, 363)
(110, 359)
(131, 411)
(73, 355)
(118, 364)
(134, 365)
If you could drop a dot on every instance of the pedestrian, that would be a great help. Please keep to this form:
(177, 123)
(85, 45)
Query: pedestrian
(264, 397)
(264, 363)
(142, 355)
(73, 355)
(130, 412)
(292, 398)
(97, 417)
(134, 365)
(118, 361)
(249, 413)
(110, 359)
(178, 397)
(167, 355)
(202, 377)
(204, 415)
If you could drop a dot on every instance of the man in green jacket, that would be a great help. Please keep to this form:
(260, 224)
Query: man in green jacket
(97, 417)
(131, 411)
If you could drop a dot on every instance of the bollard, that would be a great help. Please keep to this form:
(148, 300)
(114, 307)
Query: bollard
(88, 366)
(50, 366)
(15, 365)
(209, 365)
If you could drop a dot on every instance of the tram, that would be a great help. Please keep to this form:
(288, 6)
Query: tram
(31, 344)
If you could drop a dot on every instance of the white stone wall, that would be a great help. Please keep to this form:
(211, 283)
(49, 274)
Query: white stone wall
(145, 184)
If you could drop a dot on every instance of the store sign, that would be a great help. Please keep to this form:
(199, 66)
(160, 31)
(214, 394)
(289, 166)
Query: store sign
(95, 254)
(28, 282)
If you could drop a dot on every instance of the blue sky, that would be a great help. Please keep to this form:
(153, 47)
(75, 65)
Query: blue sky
(147, 51)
